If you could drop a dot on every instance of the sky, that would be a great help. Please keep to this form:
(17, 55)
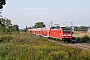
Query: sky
(28, 12)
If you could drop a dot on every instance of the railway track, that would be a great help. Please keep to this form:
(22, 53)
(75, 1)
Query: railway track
(80, 45)
(84, 46)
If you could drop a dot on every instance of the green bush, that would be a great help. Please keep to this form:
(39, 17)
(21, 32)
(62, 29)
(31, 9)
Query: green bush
(5, 39)
(85, 39)
(76, 38)
(73, 38)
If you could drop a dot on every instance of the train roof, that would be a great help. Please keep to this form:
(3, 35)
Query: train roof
(52, 28)
(46, 28)
(36, 29)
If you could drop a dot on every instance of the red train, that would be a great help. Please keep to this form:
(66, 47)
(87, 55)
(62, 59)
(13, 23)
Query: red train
(62, 33)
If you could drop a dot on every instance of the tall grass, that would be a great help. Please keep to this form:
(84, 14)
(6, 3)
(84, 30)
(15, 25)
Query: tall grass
(29, 47)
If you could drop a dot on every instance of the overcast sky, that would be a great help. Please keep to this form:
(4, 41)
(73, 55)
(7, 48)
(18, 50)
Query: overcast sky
(28, 12)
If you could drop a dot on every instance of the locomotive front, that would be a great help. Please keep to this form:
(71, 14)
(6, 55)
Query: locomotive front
(66, 34)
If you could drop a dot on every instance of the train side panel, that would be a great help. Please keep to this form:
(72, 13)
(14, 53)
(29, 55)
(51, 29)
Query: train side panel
(45, 32)
(55, 33)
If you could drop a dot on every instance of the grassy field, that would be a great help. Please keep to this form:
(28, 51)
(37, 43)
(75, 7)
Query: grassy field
(28, 47)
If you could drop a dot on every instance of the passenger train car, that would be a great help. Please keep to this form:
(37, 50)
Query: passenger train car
(62, 33)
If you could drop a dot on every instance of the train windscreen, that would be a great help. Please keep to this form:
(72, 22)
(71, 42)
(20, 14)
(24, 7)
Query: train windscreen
(66, 30)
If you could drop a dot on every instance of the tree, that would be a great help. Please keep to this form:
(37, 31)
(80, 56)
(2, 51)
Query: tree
(8, 23)
(2, 28)
(25, 30)
(2, 2)
(39, 25)
(81, 28)
(15, 28)
(7, 26)
(2, 21)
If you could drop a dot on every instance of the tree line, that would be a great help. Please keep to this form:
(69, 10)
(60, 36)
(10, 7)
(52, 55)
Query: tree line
(7, 27)
(81, 28)
(42, 25)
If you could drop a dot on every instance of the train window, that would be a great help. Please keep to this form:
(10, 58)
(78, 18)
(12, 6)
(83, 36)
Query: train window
(55, 27)
(66, 30)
